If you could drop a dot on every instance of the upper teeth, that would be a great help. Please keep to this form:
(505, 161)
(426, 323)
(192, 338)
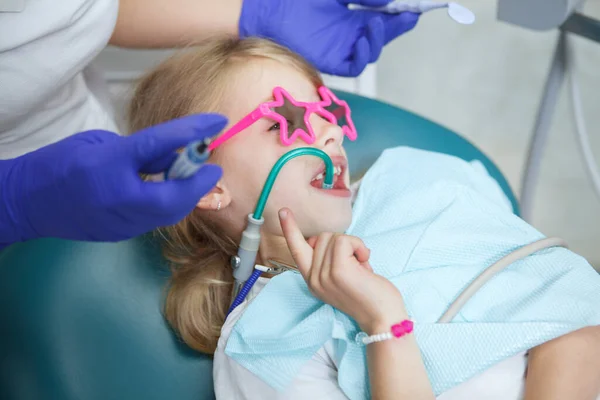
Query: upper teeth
(337, 170)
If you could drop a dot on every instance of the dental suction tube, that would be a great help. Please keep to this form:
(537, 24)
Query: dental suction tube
(304, 151)
(189, 161)
(243, 263)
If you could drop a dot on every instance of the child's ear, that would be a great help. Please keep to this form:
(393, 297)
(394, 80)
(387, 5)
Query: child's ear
(215, 200)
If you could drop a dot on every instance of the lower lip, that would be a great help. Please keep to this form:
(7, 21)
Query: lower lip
(337, 192)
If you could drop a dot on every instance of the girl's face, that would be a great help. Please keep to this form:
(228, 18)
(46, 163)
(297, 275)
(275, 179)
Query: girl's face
(248, 157)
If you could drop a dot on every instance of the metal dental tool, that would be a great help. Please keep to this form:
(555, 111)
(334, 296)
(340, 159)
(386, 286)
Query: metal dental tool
(458, 13)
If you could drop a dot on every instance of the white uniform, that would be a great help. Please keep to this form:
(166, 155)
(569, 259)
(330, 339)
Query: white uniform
(46, 91)
(318, 378)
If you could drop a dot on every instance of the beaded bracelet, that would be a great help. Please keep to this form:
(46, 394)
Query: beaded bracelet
(398, 330)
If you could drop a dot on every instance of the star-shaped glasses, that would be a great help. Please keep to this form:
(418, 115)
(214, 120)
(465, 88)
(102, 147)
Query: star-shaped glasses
(293, 117)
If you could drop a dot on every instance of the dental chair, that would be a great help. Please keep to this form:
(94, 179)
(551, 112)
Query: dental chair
(82, 321)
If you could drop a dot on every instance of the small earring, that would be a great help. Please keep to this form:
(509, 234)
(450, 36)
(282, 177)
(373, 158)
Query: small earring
(219, 205)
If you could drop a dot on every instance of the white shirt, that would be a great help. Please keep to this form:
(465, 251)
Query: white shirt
(318, 378)
(45, 94)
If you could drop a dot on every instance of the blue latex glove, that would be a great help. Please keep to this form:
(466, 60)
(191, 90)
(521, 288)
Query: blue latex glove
(87, 187)
(336, 40)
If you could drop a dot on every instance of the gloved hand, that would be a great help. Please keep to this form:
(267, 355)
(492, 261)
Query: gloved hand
(87, 187)
(336, 40)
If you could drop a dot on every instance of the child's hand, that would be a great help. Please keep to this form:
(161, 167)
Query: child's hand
(337, 271)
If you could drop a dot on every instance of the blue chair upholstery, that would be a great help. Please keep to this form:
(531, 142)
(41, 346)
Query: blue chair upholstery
(83, 320)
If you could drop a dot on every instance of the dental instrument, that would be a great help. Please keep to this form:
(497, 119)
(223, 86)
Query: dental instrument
(189, 161)
(457, 12)
(488, 273)
(277, 267)
(567, 16)
(244, 272)
(481, 279)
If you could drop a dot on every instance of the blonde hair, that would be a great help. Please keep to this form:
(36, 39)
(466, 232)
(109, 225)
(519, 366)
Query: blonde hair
(198, 251)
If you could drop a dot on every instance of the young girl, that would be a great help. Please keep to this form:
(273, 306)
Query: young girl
(233, 77)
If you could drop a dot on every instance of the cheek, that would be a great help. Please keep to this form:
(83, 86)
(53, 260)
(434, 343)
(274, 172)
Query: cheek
(289, 191)
(246, 175)
(247, 182)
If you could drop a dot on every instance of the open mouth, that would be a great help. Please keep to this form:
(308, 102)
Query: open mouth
(340, 166)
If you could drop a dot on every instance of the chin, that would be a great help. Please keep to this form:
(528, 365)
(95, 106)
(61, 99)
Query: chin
(336, 222)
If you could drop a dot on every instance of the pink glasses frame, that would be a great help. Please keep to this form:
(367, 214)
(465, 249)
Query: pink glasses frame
(280, 95)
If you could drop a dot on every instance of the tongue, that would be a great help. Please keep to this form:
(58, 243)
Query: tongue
(317, 183)
(339, 183)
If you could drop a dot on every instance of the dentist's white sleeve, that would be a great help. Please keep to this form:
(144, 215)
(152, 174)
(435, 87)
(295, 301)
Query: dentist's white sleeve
(44, 94)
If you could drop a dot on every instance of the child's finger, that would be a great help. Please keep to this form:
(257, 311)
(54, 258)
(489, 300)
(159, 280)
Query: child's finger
(320, 248)
(352, 247)
(327, 258)
(367, 266)
(362, 253)
(301, 251)
(312, 241)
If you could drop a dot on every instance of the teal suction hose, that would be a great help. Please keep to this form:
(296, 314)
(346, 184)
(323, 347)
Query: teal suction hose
(243, 263)
(303, 151)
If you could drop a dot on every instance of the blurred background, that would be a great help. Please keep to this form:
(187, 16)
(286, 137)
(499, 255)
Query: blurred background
(485, 82)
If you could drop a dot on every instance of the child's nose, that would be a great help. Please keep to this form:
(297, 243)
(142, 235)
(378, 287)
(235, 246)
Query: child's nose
(326, 132)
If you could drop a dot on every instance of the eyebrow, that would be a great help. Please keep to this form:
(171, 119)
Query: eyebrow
(268, 99)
